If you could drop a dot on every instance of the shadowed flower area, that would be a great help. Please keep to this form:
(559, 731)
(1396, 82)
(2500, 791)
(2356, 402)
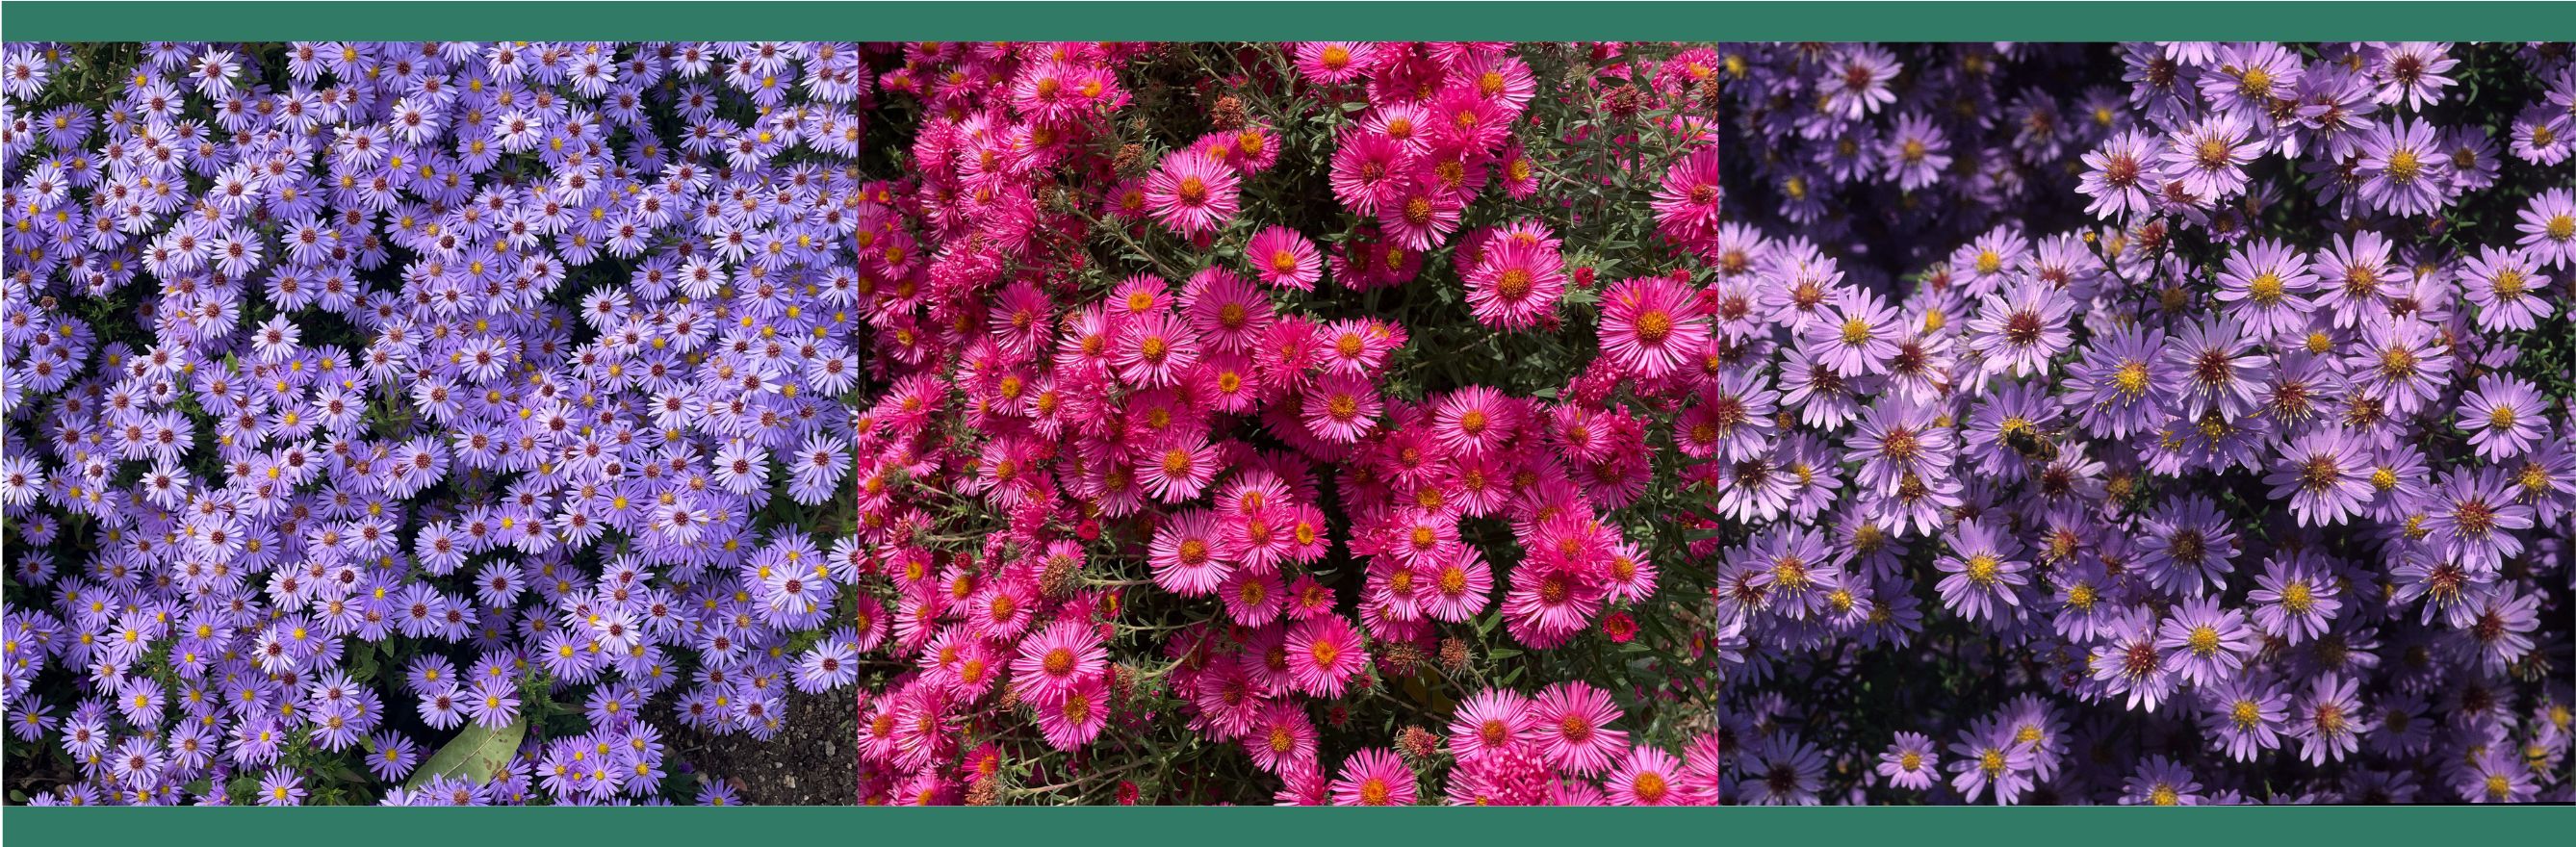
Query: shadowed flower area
(2190, 423)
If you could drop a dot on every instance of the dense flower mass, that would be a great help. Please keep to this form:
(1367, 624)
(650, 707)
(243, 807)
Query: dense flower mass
(2174, 423)
(475, 423)
(366, 396)
(1316, 423)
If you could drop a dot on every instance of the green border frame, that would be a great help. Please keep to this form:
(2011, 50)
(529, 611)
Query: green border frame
(2114, 826)
(1295, 20)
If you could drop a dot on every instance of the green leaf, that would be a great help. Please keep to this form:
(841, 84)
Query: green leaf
(477, 754)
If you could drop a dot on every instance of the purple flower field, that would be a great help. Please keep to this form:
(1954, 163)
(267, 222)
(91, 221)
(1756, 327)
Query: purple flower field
(2161, 423)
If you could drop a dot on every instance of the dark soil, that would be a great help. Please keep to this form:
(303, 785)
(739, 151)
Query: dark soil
(812, 762)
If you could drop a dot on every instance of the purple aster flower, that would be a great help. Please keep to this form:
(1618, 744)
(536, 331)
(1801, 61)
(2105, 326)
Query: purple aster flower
(2330, 720)
(281, 787)
(2403, 168)
(2506, 286)
(2266, 287)
(2548, 227)
(2161, 782)
(1990, 758)
(2207, 159)
(1985, 571)
(1916, 152)
(1912, 762)
(2188, 545)
(2324, 475)
(2413, 73)
(2203, 643)
(2121, 176)
(2210, 365)
(2019, 335)
(2399, 364)
(2504, 417)
(2293, 601)
(2470, 518)
(2247, 714)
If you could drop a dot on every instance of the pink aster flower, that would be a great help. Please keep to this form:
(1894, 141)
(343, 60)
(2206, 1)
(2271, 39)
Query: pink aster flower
(1192, 193)
(1280, 256)
(1323, 654)
(1571, 721)
(1374, 777)
(1651, 326)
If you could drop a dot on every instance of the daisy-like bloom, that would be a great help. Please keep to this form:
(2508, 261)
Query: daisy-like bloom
(2329, 720)
(1916, 152)
(1781, 770)
(2500, 629)
(2247, 714)
(1515, 285)
(1340, 408)
(1984, 570)
(1686, 202)
(1648, 777)
(2120, 176)
(2472, 518)
(1187, 554)
(1056, 662)
(1281, 257)
(2210, 366)
(2504, 417)
(1475, 420)
(1179, 469)
(1858, 336)
(1076, 717)
(1374, 777)
(2127, 662)
(2548, 227)
(2293, 601)
(2187, 545)
(2208, 157)
(1651, 326)
(2325, 476)
(1489, 723)
(2403, 169)
(2119, 388)
(281, 787)
(2161, 782)
(1323, 654)
(2413, 73)
(2506, 285)
(1990, 757)
(2204, 643)
(1192, 193)
(1570, 721)
(2400, 362)
(1912, 762)
(1335, 62)
(1154, 349)
(1897, 439)
(2496, 775)
(2266, 285)
(2020, 334)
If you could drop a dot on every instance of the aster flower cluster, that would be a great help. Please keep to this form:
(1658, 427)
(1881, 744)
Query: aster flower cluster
(2174, 423)
(1256, 410)
(365, 400)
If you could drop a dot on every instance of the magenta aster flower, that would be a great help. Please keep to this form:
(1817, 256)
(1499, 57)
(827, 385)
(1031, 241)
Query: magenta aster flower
(1192, 193)
(1651, 326)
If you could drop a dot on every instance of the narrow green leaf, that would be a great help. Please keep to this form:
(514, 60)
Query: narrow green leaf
(476, 754)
